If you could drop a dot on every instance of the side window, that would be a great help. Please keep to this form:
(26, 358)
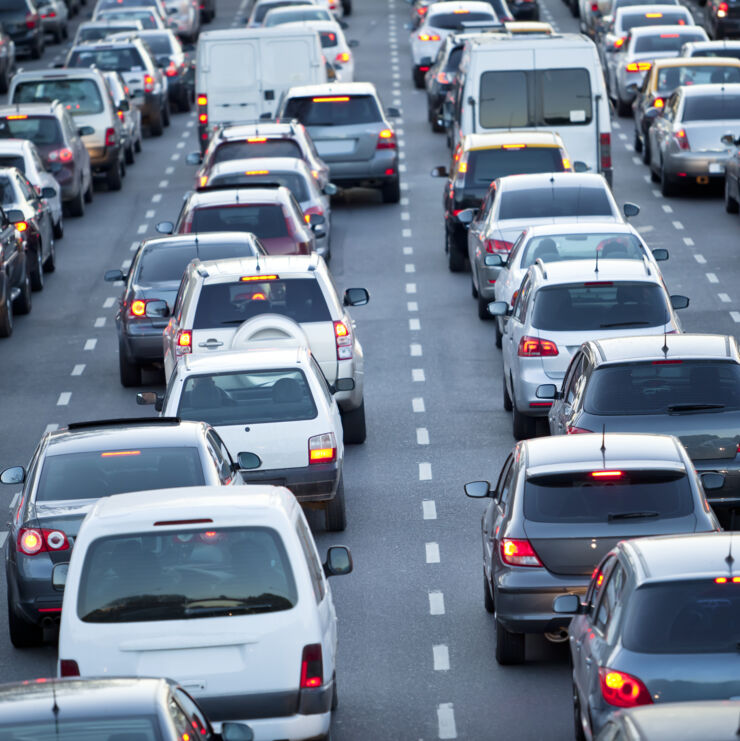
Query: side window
(309, 551)
(522, 300)
(597, 582)
(177, 309)
(610, 597)
(27, 189)
(571, 377)
(504, 478)
(297, 211)
(197, 720)
(179, 718)
(507, 487)
(322, 380)
(220, 456)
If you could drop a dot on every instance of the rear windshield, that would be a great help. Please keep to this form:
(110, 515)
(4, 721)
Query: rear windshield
(627, 3)
(41, 130)
(103, 473)
(623, 496)
(79, 96)
(224, 304)
(537, 202)
(9, 160)
(307, 14)
(586, 306)
(457, 19)
(7, 192)
(259, 147)
(684, 617)
(671, 77)
(247, 398)
(267, 221)
(293, 181)
(619, 246)
(334, 110)
(711, 108)
(159, 43)
(732, 53)
(13, 7)
(328, 39)
(140, 727)
(104, 4)
(96, 33)
(148, 20)
(485, 165)
(659, 18)
(261, 10)
(124, 59)
(185, 574)
(664, 387)
(665, 41)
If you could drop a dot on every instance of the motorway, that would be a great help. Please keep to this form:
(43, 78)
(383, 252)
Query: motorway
(416, 645)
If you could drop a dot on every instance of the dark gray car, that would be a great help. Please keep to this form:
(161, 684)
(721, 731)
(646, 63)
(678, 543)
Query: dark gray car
(559, 505)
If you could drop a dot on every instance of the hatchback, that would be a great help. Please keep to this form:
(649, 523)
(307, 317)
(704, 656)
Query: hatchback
(129, 115)
(98, 30)
(262, 7)
(22, 21)
(147, 16)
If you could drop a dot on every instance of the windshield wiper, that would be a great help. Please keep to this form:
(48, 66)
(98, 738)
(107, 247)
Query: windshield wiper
(631, 515)
(134, 607)
(624, 324)
(219, 605)
(693, 407)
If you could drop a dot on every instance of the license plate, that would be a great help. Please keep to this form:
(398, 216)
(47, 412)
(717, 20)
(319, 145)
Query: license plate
(336, 146)
(716, 168)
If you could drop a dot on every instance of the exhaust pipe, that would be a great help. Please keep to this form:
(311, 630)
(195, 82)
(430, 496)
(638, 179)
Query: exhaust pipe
(557, 636)
(47, 621)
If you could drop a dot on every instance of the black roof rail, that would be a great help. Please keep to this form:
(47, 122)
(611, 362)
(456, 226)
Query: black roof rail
(124, 421)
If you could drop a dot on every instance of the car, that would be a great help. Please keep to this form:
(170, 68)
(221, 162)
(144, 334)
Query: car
(684, 384)
(151, 708)
(99, 30)
(269, 399)
(7, 57)
(732, 177)
(84, 92)
(553, 243)
(351, 133)
(128, 113)
(529, 27)
(15, 276)
(655, 606)
(559, 506)
(146, 82)
(148, 16)
(640, 51)
(70, 469)
(52, 130)
(686, 136)
(207, 10)
(477, 161)
(22, 22)
(336, 47)
(662, 79)
(245, 566)
(23, 154)
(295, 14)
(290, 172)
(440, 77)
(717, 48)
(176, 62)
(722, 19)
(271, 213)
(54, 18)
(595, 17)
(561, 305)
(157, 5)
(213, 303)
(261, 8)
(185, 18)
(155, 275)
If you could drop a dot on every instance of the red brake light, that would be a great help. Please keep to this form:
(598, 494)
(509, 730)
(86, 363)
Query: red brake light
(31, 20)
(148, 84)
(68, 668)
(202, 100)
(184, 342)
(576, 430)
(110, 137)
(21, 226)
(722, 9)
(681, 139)
(498, 245)
(658, 103)
(332, 99)
(618, 43)
(344, 341)
(594, 7)
(312, 667)
(343, 57)
(519, 553)
(534, 347)
(429, 37)
(623, 690)
(606, 474)
(203, 110)
(322, 448)
(605, 141)
(386, 140)
(171, 69)
(120, 115)
(40, 540)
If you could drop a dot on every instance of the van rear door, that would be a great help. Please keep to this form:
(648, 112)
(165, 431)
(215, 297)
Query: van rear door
(232, 96)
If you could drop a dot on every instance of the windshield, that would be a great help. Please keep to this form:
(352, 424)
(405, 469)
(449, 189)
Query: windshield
(665, 41)
(120, 59)
(96, 33)
(99, 728)
(485, 165)
(148, 19)
(684, 617)
(43, 131)
(554, 201)
(627, 495)
(334, 110)
(185, 574)
(81, 97)
(258, 147)
(671, 77)
(103, 473)
(600, 305)
(247, 398)
(665, 17)
(295, 182)
(711, 107)
(456, 20)
(267, 221)
(617, 246)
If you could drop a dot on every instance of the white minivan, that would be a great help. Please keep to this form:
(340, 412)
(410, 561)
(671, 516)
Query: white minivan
(546, 82)
(224, 594)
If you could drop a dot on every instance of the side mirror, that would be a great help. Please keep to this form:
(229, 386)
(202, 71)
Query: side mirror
(353, 43)
(318, 231)
(143, 398)
(344, 384)
(546, 391)
(712, 481)
(194, 158)
(124, 105)
(579, 166)
(498, 308)
(343, 25)
(58, 65)
(48, 192)
(679, 302)
(171, 11)
(566, 604)
(440, 172)
(165, 227)
(467, 215)
(111, 276)
(85, 130)
(157, 309)
(59, 576)
(356, 297)
(338, 561)
(652, 113)
(393, 112)
(236, 732)
(316, 219)
(660, 255)
(330, 189)
(493, 261)
(265, 116)
(14, 475)
(478, 489)
(15, 215)
(729, 140)
(630, 209)
(248, 461)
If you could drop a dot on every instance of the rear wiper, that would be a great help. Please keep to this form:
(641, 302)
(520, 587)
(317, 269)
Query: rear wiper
(693, 407)
(631, 515)
(624, 324)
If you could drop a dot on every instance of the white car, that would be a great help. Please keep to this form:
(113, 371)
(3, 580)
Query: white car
(184, 18)
(222, 592)
(335, 46)
(296, 14)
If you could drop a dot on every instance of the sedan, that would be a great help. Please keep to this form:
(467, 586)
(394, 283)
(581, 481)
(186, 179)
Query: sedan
(15, 280)
(184, 18)
(177, 63)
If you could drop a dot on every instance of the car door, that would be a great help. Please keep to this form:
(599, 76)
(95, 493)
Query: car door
(661, 129)
(42, 213)
(12, 251)
(561, 409)
(494, 515)
(478, 227)
(514, 330)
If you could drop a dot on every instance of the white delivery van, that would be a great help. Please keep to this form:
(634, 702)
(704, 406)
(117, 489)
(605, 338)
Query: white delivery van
(241, 73)
(547, 82)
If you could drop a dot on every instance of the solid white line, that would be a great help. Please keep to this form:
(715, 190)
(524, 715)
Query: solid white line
(405, 233)
(411, 288)
(408, 250)
(90, 344)
(109, 302)
(64, 398)
(432, 552)
(143, 228)
(410, 267)
(668, 209)
(163, 183)
(51, 427)
(735, 316)
(429, 509)
(412, 306)
(441, 656)
(688, 241)
(712, 278)
(100, 321)
(422, 436)
(425, 472)
(677, 225)
(415, 349)
(436, 603)
(724, 298)
(78, 370)
(417, 404)
(414, 324)
(700, 259)
(445, 711)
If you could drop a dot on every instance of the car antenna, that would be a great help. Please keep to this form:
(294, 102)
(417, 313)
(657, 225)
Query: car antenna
(665, 336)
(596, 268)
(603, 445)
(730, 559)
(197, 245)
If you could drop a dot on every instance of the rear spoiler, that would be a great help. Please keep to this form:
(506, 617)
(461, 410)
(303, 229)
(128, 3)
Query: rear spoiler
(238, 186)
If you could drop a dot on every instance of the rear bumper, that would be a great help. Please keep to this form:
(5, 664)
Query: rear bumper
(696, 164)
(143, 344)
(726, 25)
(365, 172)
(317, 483)
(103, 159)
(30, 591)
(530, 376)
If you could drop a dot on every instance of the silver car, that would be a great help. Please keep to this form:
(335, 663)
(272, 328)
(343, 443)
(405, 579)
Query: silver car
(659, 624)
(54, 16)
(129, 114)
(184, 17)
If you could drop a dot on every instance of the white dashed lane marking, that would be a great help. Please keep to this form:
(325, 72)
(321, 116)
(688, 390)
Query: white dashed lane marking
(712, 278)
(417, 404)
(90, 344)
(700, 259)
(78, 370)
(441, 656)
(436, 603)
(417, 375)
(429, 509)
(446, 718)
(51, 427)
(425, 472)
(422, 436)
(432, 552)
(64, 398)
(414, 324)
(412, 306)
(415, 349)
(411, 288)
(100, 321)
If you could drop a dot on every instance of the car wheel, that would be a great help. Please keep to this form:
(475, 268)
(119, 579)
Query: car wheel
(731, 204)
(523, 427)
(156, 127)
(334, 694)
(184, 104)
(646, 151)
(6, 316)
(129, 370)
(137, 144)
(114, 180)
(129, 155)
(499, 336)
(638, 142)
(89, 191)
(509, 646)
(577, 715)
(508, 406)
(667, 186)
(654, 177)
(166, 114)
(59, 228)
(37, 273)
(353, 424)
(22, 304)
(391, 191)
(76, 206)
(483, 308)
(22, 633)
(623, 109)
(487, 598)
(50, 263)
(455, 260)
(336, 516)
(473, 289)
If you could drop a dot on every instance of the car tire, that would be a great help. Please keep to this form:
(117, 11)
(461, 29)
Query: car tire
(137, 144)
(667, 186)
(637, 143)
(156, 127)
(336, 515)
(623, 109)
(166, 114)
(391, 191)
(508, 406)
(483, 314)
(473, 289)
(89, 192)
(455, 260)
(6, 316)
(37, 50)
(353, 425)
(654, 177)
(334, 694)
(59, 228)
(22, 304)
(50, 263)
(418, 78)
(487, 597)
(76, 206)
(646, 151)
(37, 272)
(510, 647)
(347, 7)
(129, 370)
(113, 178)
(184, 103)
(731, 204)
(577, 713)
(22, 633)
(499, 336)
(129, 154)
(523, 427)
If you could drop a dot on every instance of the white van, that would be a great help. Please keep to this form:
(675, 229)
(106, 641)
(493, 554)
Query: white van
(241, 73)
(224, 594)
(547, 82)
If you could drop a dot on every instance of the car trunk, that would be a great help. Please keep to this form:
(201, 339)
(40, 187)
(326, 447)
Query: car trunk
(166, 291)
(343, 143)
(66, 516)
(282, 246)
(14, 18)
(706, 136)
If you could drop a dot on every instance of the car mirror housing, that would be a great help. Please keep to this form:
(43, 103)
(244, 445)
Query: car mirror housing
(498, 308)
(493, 261)
(157, 310)
(679, 302)
(478, 489)
(15, 215)
(111, 276)
(165, 227)
(660, 255)
(194, 158)
(85, 130)
(48, 192)
(59, 576)
(344, 384)
(440, 172)
(729, 140)
(248, 461)
(566, 604)
(330, 189)
(712, 481)
(630, 209)
(547, 391)
(356, 297)
(393, 112)
(467, 215)
(338, 561)
(13, 475)
(231, 731)
(579, 166)
(652, 113)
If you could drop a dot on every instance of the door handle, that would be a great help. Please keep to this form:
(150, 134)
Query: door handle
(588, 661)
(210, 343)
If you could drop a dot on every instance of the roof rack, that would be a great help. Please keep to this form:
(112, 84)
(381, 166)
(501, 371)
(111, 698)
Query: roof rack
(123, 421)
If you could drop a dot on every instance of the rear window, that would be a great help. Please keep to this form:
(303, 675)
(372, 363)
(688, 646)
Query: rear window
(566, 96)
(671, 77)
(103, 473)
(258, 147)
(223, 304)
(456, 20)
(267, 221)
(732, 53)
(587, 306)
(13, 7)
(262, 10)
(247, 398)
(328, 39)
(684, 617)
(504, 100)
(552, 202)
(142, 728)
(41, 130)
(711, 108)
(665, 41)
(123, 59)
(148, 20)
(159, 43)
(619, 246)
(9, 160)
(298, 15)
(662, 387)
(485, 165)
(334, 110)
(453, 60)
(185, 574)
(97, 33)
(293, 181)
(79, 96)
(626, 496)
(658, 18)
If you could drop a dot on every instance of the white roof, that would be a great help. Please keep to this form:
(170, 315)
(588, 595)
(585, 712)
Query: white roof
(576, 271)
(333, 88)
(280, 354)
(577, 227)
(658, 30)
(14, 145)
(268, 264)
(450, 6)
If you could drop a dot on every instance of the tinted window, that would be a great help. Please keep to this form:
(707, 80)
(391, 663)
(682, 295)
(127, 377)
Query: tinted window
(13, 7)
(665, 41)
(7, 192)
(41, 130)
(265, 220)
(733, 53)
(233, 303)
(661, 387)
(485, 165)
(259, 148)
(293, 181)
(663, 18)
(148, 20)
(296, 16)
(79, 96)
(619, 246)
(585, 306)
(247, 398)
(96, 33)
(671, 77)
(686, 617)
(453, 60)
(103, 473)
(581, 497)
(63, 729)
(566, 96)
(328, 39)
(262, 10)
(539, 202)
(122, 59)
(9, 160)
(336, 110)
(186, 574)
(159, 43)
(503, 100)
(456, 20)
(711, 108)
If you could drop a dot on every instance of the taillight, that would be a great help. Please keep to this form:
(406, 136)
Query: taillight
(311, 211)
(623, 690)
(137, 307)
(572, 430)
(171, 69)
(148, 84)
(429, 37)
(60, 155)
(534, 347)
(619, 43)
(658, 103)
(183, 342)
(31, 20)
(513, 297)
(21, 226)
(681, 139)
(202, 109)
(443, 78)
(342, 57)
(110, 137)
(312, 667)
(40, 540)
(638, 66)
(722, 9)
(594, 7)
(344, 341)
(498, 245)
(386, 140)
(605, 142)
(322, 448)
(50, 14)
(68, 668)
(519, 553)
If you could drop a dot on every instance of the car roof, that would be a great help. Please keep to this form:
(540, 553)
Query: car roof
(686, 721)
(695, 61)
(261, 164)
(450, 6)
(650, 347)
(269, 128)
(319, 24)
(57, 73)
(280, 354)
(15, 145)
(660, 30)
(529, 41)
(333, 88)
(472, 142)
(110, 42)
(578, 227)
(550, 179)
(239, 195)
(694, 91)
(206, 238)
(715, 44)
(43, 108)
(216, 270)
(579, 271)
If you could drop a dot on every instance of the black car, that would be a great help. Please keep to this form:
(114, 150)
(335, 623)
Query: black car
(15, 278)
(722, 18)
(155, 275)
(440, 77)
(525, 10)
(22, 21)
(207, 10)
(177, 63)
(7, 59)
(131, 708)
